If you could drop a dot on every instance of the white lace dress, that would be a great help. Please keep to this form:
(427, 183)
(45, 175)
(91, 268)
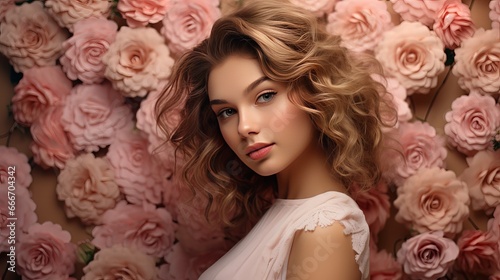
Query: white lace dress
(263, 253)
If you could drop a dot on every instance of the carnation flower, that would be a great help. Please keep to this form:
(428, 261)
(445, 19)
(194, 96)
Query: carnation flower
(483, 178)
(14, 164)
(120, 262)
(423, 11)
(39, 88)
(428, 255)
(472, 122)
(477, 62)
(138, 61)
(433, 199)
(384, 267)
(477, 252)
(189, 22)
(84, 50)
(360, 23)
(143, 227)
(46, 252)
(142, 12)
(318, 7)
(69, 12)
(87, 187)
(186, 266)
(93, 114)
(412, 54)
(29, 37)
(454, 23)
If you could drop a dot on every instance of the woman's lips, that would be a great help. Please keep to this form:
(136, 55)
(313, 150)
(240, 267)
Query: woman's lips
(260, 153)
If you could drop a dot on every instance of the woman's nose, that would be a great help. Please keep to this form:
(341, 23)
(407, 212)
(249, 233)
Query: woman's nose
(248, 123)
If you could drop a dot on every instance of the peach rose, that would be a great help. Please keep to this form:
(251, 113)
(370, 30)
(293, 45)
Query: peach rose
(360, 23)
(428, 255)
(477, 62)
(138, 61)
(433, 199)
(120, 262)
(144, 227)
(139, 175)
(412, 54)
(477, 252)
(24, 213)
(472, 123)
(384, 267)
(84, 50)
(318, 7)
(483, 178)
(14, 164)
(68, 12)
(189, 267)
(93, 114)
(423, 11)
(46, 252)
(187, 23)
(6, 5)
(51, 146)
(87, 187)
(29, 37)
(142, 12)
(454, 23)
(39, 88)
(495, 14)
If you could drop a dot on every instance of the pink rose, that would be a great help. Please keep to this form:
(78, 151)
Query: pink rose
(421, 148)
(189, 267)
(384, 267)
(139, 175)
(51, 146)
(141, 12)
(454, 23)
(428, 255)
(25, 213)
(412, 54)
(144, 227)
(29, 37)
(163, 272)
(477, 252)
(39, 88)
(398, 95)
(472, 123)
(120, 262)
(494, 224)
(46, 252)
(483, 178)
(495, 14)
(360, 23)
(84, 50)
(318, 7)
(476, 62)
(189, 22)
(68, 12)
(87, 187)
(93, 114)
(14, 164)
(423, 11)
(6, 5)
(138, 61)
(433, 199)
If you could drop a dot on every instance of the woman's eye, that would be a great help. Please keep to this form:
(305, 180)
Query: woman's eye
(266, 97)
(225, 113)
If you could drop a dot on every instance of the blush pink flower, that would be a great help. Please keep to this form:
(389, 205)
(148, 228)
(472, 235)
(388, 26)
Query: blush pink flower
(189, 22)
(398, 95)
(87, 187)
(318, 7)
(29, 37)
(93, 114)
(69, 12)
(120, 262)
(477, 62)
(39, 88)
(472, 123)
(423, 11)
(6, 5)
(384, 267)
(360, 23)
(14, 164)
(138, 61)
(46, 252)
(454, 23)
(477, 252)
(495, 14)
(412, 54)
(142, 12)
(483, 178)
(84, 50)
(24, 213)
(433, 199)
(143, 227)
(428, 255)
(139, 175)
(189, 267)
(51, 146)
(493, 224)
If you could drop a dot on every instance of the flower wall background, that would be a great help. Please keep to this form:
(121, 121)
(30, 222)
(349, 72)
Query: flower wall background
(77, 126)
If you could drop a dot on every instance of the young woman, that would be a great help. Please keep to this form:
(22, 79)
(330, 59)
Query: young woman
(273, 104)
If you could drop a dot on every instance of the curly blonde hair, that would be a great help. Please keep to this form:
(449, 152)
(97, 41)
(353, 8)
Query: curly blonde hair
(324, 79)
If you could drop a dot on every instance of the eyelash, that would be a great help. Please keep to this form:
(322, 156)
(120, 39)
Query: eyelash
(223, 111)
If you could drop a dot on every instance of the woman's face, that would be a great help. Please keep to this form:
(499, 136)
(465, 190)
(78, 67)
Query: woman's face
(257, 120)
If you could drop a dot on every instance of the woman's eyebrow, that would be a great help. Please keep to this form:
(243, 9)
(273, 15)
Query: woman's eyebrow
(249, 88)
